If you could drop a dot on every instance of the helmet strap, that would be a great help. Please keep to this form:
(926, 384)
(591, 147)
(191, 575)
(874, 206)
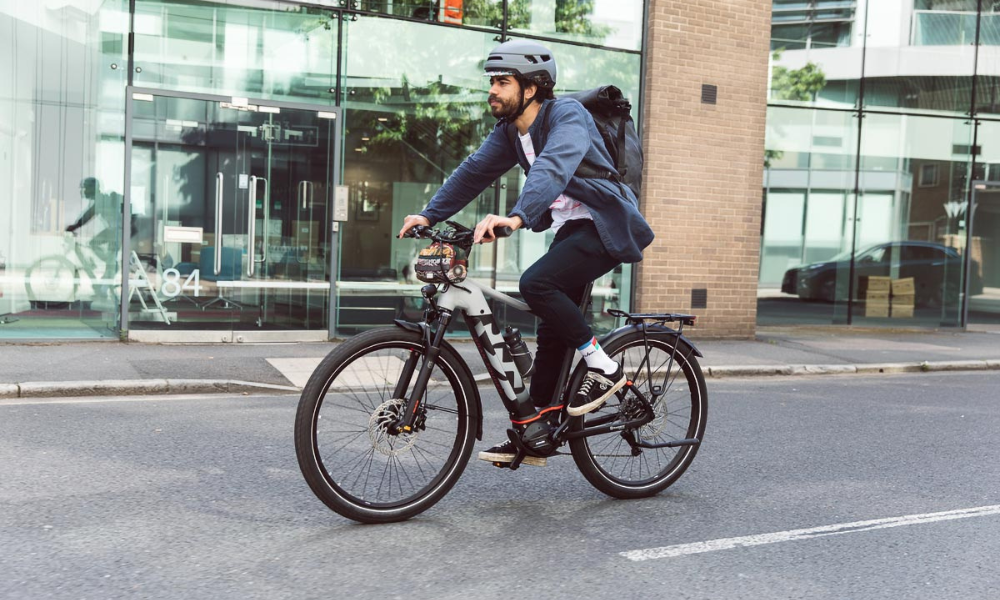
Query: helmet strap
(522, 104)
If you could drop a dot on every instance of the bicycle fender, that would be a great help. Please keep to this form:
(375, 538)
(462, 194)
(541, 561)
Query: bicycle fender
(476, 406)
(653, 330)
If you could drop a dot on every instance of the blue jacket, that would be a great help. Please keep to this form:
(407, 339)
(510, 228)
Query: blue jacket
(572, 135)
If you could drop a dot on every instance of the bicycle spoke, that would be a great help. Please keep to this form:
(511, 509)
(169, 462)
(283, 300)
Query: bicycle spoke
(672, 417)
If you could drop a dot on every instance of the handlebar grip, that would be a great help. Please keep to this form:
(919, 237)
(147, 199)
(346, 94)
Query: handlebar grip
(501, 232)
(415, 232)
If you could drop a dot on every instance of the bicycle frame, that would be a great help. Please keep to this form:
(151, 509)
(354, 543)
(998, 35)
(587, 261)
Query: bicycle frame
(470, 298)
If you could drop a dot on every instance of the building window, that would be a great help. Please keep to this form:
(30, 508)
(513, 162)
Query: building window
(798, 25)
(928, 175)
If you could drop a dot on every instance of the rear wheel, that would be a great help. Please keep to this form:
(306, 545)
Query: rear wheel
(346, 452)
(679, 410)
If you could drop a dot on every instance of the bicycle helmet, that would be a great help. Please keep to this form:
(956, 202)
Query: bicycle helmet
(525, 59)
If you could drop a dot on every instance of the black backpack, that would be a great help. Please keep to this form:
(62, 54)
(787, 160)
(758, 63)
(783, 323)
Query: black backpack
(612, 114)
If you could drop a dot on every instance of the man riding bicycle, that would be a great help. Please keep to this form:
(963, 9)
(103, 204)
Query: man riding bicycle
(596, 221)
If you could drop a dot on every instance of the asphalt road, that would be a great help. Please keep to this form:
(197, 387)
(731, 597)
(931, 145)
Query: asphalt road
(799, 488)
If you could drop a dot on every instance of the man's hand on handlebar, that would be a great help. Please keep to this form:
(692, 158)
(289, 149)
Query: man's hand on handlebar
(484, 230)
(412, 220)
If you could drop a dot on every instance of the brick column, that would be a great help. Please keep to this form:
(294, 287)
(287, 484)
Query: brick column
(704, 162)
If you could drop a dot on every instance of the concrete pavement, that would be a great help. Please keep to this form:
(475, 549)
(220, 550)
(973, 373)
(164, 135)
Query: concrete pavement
(110, 368)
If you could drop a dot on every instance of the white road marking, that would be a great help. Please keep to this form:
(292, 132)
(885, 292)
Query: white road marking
(805, 534)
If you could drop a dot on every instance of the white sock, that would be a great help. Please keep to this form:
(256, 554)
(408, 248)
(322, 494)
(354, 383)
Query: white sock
(595, 357)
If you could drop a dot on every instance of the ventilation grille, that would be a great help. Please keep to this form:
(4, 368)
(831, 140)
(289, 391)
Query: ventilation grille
(699, 298)
(709, 93)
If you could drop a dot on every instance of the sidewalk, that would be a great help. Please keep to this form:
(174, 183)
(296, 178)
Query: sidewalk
(111, 368)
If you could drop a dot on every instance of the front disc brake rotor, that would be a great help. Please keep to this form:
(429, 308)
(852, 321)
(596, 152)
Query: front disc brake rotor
(385, 415)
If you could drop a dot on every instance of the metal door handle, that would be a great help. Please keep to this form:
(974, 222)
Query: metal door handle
(218, 223)
(252, 225)
(306, 191)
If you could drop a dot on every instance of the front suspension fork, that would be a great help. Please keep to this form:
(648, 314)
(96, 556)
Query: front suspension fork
(432, 348)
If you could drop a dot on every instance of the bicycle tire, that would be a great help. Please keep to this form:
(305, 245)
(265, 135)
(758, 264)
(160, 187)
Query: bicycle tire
(606, 462)
(51, 279)
(348, 396)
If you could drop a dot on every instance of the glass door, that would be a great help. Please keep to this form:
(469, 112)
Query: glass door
(229, 202)
(983, 256)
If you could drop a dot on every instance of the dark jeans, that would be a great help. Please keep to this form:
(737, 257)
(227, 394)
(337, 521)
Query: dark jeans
(553, 287)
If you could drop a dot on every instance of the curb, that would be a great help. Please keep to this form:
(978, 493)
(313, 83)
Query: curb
(863, 369)
(151, 387)
(135, 387)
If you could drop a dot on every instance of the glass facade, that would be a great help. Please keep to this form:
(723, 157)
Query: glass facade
(224, 139)
(878, 131)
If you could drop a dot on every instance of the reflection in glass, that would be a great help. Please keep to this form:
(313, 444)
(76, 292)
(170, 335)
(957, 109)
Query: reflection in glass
(988, 65)
(931, 73)
(937, 23)
(909, 210)
(482, 13)
(229, 207)
(273, 50)
(416, 107)
(800, 25)
(984, 231)
(61, 160)
(808, 207)
(815, 59)
(609, 23)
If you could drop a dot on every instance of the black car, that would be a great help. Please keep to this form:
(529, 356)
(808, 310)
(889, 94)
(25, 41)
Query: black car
(936, 271)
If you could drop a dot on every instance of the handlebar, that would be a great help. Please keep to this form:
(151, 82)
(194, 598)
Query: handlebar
(457, 234)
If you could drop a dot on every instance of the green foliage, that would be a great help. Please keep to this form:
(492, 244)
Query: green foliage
(572, 16)
(796, 84)
(434, 125)
(802, 85)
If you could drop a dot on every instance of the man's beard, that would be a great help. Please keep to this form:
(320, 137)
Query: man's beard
(506, 108)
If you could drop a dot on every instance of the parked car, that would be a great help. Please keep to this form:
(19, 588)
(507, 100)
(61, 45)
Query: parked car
(936, 271)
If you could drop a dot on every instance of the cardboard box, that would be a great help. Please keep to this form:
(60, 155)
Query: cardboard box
(877, 297)
(873, 309)
(877, 283)
(903, 300)
(903, 287)
(902, 311)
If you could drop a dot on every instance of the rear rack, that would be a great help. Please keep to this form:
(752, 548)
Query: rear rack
(642, 319)
(661, 318)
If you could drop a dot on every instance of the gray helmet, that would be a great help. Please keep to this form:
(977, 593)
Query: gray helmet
(523, 58)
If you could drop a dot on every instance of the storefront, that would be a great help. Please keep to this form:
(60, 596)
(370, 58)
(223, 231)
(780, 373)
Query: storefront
(214, 172)
(882, 128)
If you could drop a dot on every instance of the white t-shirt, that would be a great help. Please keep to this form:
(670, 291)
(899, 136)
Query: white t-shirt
(563, 208)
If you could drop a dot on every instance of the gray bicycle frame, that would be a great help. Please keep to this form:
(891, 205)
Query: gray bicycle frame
(471, 298)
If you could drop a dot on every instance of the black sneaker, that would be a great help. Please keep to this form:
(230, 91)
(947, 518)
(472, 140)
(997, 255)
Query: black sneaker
(505, 452)
(596, 388)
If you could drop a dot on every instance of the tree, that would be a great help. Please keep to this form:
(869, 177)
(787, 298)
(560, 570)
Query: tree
(796, 84)
(802, 85)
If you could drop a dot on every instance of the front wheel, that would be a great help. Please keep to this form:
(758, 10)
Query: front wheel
(51, 279)
(344, 448)
(679, 406)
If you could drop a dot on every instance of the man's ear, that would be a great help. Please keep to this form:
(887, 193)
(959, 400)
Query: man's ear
(530, 89)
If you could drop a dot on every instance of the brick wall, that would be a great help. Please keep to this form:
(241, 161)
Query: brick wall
(703, 162)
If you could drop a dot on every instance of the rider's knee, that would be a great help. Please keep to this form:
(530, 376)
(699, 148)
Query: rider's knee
(532, 286)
